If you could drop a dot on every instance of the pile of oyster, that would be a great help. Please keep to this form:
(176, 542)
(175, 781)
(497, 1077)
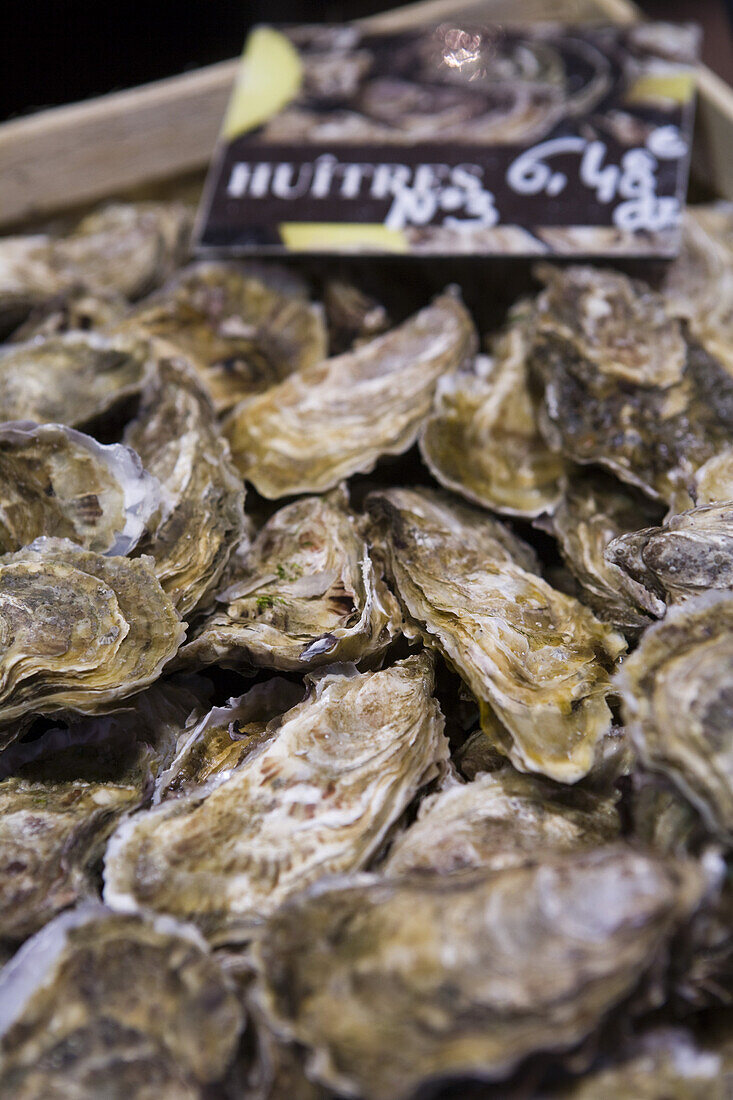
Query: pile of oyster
(410, 774)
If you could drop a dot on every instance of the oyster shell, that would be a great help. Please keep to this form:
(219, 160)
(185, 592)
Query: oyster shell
(57, 481)
(714, 480)
(677, 692)
(501, 819)
(75, 308)
(242, 333)
(78, 631)
(530, 654)
(99, 1004)
(178, 440)
(482, 439)
(352, 315)
(305, 594)
(690, 554)
(58, 810)
(123, 248)
(623, 387)
(399, 983)
(336, 418)
(593, 511)
(72, 378)
(316, 794)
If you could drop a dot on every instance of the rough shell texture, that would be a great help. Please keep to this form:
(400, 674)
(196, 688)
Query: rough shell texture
(690, 554)
(396, 984)
(623, 387)
(713, 482)
(677, 691)
(78, 631)
(529, 653)
(241, 332)
(57, 481)
(305, 594)
(337, 417)
(72, 309)
(501, 819)
(99, 1004)
(594, 510)
(177, 438)
(482, 438)
(316, 794)
(72, 378)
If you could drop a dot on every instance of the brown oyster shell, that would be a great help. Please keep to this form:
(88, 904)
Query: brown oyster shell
(316, 794)
(336, 418)
(528, 652)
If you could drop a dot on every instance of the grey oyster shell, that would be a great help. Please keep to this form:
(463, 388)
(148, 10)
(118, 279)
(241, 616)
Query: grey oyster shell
(501, 819)
(692, 553)
(394, 984)
(178, 440)
(623, 386)
(336, 418)
(482, 438)
(72, 309)
(316, 795)
(595, 510)
(532, 655)
(99, 1004)
(71, 379)
(677, 693)
(242, 332)
(58, 809)
(57, 481)
(305, 594)
(78, 631)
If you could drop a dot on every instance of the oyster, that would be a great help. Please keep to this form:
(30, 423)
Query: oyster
(352, 315)
(316, 794)
(72, 378)
(177, 438)
(58, 810)
(75, 308)
(99, 1004)
(501, 819)
(338, 417)
(530, 654)
(594, 510)
(78, 631)
(690, 554)
(305, 594)
(482, 438)
(677, 692)
(714, 480)
(394, 984)
(57, 481)
(123, 248)
(623, 387)
(241, 332)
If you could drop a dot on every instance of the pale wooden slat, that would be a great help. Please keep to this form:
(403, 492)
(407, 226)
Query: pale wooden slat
(67, 156)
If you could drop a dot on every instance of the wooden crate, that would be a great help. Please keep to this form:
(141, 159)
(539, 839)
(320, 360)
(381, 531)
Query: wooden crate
(158, 138)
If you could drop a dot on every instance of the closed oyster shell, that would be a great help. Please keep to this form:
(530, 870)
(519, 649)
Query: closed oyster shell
(58, 810)
(336, 418)
(690, 554)
(482, 438)
(714, 480)
(623, 387)
(242, 333)
(677, 692)
(316, 794)
(78, 631)
(99, 1004)
(305, 594)
(178, 440)
(501, 819)
(352, 315)
(395, 984)
(72, 378)
(531, 654)
(75, 308)
(594, 510)
(57, 481)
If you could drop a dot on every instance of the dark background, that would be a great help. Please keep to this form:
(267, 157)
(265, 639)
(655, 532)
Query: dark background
(59, 51)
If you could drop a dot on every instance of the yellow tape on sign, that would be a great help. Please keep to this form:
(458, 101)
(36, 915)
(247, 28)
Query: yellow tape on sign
(341, 237)
(269, 77)
(668, 87)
